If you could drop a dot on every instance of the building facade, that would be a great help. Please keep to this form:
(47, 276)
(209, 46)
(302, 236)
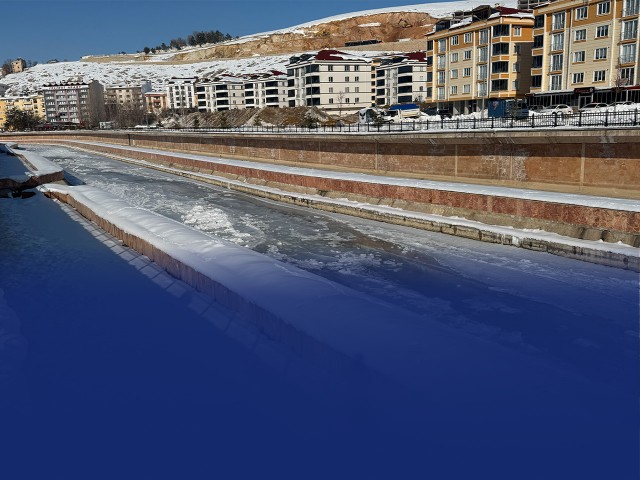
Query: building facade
(181, 94)
(79, 103)
(18, 65)
(401, 79)
(481, 54)
(266, 90)
(585, 51)
(128, 96)
(156, 102)
(337, 82)
(220, 94)
(29, 103)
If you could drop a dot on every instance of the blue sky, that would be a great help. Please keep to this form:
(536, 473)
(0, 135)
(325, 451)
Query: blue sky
(68, 29)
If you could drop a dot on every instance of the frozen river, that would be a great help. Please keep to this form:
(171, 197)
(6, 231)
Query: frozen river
(578, 317)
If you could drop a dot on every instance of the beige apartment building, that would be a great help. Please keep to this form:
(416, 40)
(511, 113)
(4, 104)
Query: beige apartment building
(127, 96)
(585, 51)
(401, 79)
(18, 65)
(220, 93)
(30, 103)
(156, 102)
(477, 55)
(337, 82)
(266, 90)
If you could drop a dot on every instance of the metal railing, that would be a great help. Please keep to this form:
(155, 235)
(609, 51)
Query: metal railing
(623, 118)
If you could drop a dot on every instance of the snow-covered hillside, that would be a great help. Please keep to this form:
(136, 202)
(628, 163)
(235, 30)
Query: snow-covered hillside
(159, 68)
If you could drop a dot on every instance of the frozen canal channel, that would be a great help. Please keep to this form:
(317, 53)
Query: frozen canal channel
(577, 317)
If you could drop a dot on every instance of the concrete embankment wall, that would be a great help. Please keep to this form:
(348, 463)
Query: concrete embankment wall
(595, 161)
(40, 170)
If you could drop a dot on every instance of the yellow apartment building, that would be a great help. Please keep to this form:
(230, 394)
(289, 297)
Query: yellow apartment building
(477, 55)
(585, 51)
(30, 103)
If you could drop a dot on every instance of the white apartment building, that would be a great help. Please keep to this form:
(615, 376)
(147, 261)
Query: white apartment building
(337, 82)
(266, 90)
(74, 102)
(220, 93)
(401, 79)
(181, 93)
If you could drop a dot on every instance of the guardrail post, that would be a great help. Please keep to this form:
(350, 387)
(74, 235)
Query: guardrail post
(635, 117)
(606, 119)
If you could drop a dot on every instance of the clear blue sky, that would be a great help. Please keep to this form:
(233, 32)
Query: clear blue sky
(68, 29)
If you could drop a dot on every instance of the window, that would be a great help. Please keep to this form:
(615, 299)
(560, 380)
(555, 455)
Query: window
(579, 57)
(536, 61)
(454, 40)
(331, 100)
(330, 79)
(500, 49)
(499, 85)
(442, 61)
(454, 89)
(468, 37)
(442, 44)
(330, 89)
(578, 78)
(558, 21)
(482, 54)
(515, 85)
(556, 82)
(357, 89)
(627, 75)
(356, 79)
(517, 48)
(604, 8)
(357, 100)
(482, 89)
(330, 68)
(346, 89)
(630, 8)
(581, 35)
(501, 30)
(347, 68)
(440, 93)
(599, 75)
(602, 31)
(516, 66)
(466, 72)
(467, 54)
(483, 38)
(538, 21)
(499, 67)
(517, 31)
(346, 79)
(557, 41)
(538, 41)
(466, 88)
(629, 30)
(556, 62)
(441, 77)
(581, 13)
(356, 68)
(536, 81)
(482, 72)
(454, 57)
(454, 73)
(628, 53)
(600, 53)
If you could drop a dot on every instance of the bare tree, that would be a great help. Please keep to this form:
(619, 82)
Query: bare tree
(340, 97)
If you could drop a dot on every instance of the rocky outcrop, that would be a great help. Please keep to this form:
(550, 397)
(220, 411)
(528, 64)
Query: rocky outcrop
(385, 27)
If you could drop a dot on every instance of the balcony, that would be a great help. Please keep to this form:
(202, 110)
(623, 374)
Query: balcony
(629, 34)
(557, 25)
(630, 9)
(629, 58)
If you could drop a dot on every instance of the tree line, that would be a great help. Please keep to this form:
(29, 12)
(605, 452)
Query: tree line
(193, 40)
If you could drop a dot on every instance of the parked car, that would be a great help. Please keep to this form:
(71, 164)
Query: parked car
(536, 108)
(558, 108)
(623, 104)
(443, 112)
(590, 107)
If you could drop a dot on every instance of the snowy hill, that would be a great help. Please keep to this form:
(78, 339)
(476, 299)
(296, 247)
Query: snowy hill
(159, 68)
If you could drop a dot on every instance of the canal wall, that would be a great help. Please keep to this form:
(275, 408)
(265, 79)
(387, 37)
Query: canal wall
(586, 160)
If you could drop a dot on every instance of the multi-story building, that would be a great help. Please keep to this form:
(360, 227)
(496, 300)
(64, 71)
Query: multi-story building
(74, 102)
(181, 93)
(18, 65)
(29, 103)
(479, 55)
(220, 93)
(266, 90)
(585, 51)
(127, 96)
(401, 79)
(156, 102)
(332, 80)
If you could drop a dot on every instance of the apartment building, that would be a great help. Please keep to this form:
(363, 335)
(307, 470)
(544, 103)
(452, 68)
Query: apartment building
(266, 90)
(220, 93)
(74, 102)
(337, 82)
(477, 55)
(156, 102)
(181, 93)
(30, 103)
(126, 96)
(401, 78)
(585, 51)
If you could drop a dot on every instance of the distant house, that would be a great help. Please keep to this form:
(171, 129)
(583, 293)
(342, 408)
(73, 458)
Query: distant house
(335, 81)
(127, 96)
(77, 102)
(18, 65)
(402, 78)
